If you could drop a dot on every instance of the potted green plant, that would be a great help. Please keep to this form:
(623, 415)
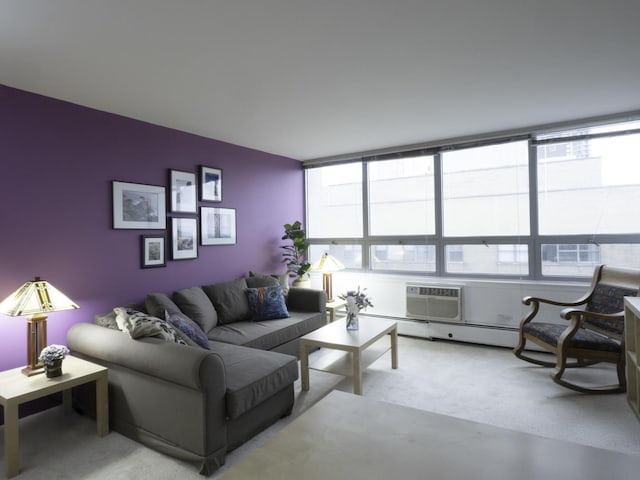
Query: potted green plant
(294, 255)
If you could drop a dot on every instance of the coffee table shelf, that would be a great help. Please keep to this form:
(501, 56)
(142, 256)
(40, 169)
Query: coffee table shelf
(356, 350)
(341, 363)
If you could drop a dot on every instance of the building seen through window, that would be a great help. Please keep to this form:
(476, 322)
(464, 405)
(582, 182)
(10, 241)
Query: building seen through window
(472, 211)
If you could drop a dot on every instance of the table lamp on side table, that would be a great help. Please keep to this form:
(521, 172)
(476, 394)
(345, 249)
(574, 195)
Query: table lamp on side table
(35, 298)
(327, 265)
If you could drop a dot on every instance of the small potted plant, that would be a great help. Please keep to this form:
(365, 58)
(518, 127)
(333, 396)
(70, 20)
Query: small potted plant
(356, 300)
(51, 356)
(294, 255)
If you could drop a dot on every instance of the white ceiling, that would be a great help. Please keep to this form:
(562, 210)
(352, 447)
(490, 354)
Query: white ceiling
(320, 78)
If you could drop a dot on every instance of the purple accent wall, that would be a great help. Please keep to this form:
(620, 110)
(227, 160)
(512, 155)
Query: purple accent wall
(57, 161)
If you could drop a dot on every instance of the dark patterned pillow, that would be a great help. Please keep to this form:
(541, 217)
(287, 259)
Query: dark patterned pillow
(139, 324)
(267, 303)
(187, 326)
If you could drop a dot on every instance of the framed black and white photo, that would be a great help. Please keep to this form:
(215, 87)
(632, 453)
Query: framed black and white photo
(217, 226)
(153, 250)
(183, 191)
(184, 238)
(210, 184)
(139, 206)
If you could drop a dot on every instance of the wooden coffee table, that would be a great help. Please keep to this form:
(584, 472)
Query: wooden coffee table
(347, 436)
(356, 349)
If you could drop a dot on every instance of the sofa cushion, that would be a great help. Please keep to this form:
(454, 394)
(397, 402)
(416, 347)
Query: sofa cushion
(253, 375)
(196, 305)
(139, 324)
(269, 334)
(257, 280)
(267, 303)
(229, 300)
(158, 303)
(187, 326)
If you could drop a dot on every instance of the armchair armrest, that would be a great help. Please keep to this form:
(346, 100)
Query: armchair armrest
(569, 313)
(528, 300)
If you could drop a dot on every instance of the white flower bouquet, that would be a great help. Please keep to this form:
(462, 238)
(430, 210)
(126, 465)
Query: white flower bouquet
(51, 353)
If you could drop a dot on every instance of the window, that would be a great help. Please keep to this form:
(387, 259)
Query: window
(487, 259)
(401, 197)
(513, 254)
(551, 204)
(416, 258)
(485, 190)
(589, 190)
(334, 201)
(571, 254)
(349, 255)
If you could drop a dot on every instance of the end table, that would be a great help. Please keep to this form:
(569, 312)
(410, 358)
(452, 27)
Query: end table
(332, 307)
(16, 388)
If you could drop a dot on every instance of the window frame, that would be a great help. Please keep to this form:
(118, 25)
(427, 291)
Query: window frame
(533, 241)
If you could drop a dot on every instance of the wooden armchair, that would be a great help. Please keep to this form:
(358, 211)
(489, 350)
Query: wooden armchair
(595, 331)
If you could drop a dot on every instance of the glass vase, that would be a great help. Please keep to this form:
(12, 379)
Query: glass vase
(352, 321)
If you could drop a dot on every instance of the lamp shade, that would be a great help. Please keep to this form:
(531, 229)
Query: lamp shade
(37, 296)
(327, 264)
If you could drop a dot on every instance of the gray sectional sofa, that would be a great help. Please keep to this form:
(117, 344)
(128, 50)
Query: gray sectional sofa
(196, 403)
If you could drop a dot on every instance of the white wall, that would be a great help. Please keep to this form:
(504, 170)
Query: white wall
(494, 305)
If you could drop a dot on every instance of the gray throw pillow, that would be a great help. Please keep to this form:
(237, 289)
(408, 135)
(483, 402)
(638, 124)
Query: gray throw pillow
(258, 280)
(157, 303)
(229, 300)
(196, 305)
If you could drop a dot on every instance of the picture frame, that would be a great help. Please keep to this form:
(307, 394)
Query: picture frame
(153, 251)
(139, 206)
(183, 188)
(217, 226)
(210, 184)
(184, 238)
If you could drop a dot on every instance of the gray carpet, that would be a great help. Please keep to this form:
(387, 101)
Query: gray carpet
(483, 384)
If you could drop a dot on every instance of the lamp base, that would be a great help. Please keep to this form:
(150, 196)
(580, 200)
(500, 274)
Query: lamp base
(327, 286)
(30, 371)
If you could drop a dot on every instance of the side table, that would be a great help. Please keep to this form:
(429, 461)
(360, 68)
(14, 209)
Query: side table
(332, 307)
(16, 388)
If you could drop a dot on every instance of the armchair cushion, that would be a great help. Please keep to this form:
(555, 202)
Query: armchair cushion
(583, 339)
(608, 299)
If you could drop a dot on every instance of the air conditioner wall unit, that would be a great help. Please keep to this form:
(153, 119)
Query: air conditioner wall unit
(434, 302)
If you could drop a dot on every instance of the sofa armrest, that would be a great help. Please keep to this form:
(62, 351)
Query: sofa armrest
(188, 366)
(307, 300)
